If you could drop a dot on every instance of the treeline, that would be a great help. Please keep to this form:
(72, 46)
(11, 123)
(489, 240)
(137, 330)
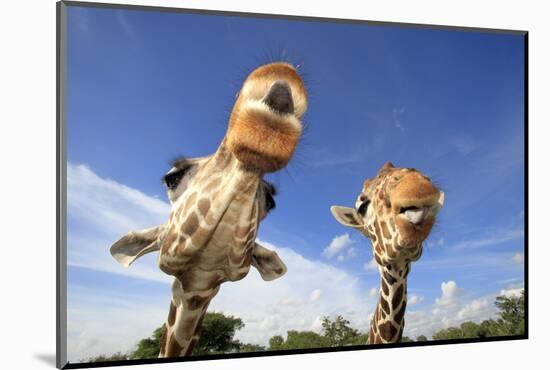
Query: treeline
(218, 332)
(511, 321)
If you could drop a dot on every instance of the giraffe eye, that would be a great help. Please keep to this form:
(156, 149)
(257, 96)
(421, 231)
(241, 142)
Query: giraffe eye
(270, 191)
(362, 210)
(173, 179)
(269, 202)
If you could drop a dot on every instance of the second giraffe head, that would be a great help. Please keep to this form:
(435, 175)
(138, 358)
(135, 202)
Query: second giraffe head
(396, 210)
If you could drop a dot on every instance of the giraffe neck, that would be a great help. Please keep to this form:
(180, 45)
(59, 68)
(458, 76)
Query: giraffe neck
(219, 209)
(210, 240)
(388, 321)
(181, 330)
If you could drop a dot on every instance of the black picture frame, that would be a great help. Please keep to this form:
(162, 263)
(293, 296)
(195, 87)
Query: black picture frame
(61, 188)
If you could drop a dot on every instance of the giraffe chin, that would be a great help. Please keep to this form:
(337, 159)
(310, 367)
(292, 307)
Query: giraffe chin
(261, 139)
(412, 234)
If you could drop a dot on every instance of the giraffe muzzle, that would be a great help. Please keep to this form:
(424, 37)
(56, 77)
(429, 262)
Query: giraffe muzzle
(265, 127)
(417, 214)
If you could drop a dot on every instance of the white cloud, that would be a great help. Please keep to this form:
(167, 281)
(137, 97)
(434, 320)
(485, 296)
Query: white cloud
(309, 291)
(414, 299)
(511, 292)
(371, 266)
(351, 252)
(373, 292)
(103, 210)
(474, 309)
(317, 325)
(495, 238)
(104, 319)
(298, 301)
(106, 323)
(337, 245)
(106, 197)
(108, 318)
(449, 293)
(452, 309)
(315, 295)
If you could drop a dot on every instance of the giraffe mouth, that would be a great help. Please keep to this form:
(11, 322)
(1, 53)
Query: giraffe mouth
(418, 213)
(265, 133)
(415, 215)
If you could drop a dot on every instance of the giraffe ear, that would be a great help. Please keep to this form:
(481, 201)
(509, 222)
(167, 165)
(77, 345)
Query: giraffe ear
(347, 216)
(135, 244)
(268, 263)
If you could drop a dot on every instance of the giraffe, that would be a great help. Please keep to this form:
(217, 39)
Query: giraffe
(218, 201)
(396, 211)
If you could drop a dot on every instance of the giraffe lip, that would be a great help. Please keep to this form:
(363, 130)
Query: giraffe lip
(413, 214)
(407, 209)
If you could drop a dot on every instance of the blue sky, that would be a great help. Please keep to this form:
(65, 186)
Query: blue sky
(144, 87)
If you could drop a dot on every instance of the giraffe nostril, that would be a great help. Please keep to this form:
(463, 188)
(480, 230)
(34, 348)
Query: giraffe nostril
(279, 98)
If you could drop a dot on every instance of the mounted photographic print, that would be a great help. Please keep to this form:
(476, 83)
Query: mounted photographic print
(234, 184)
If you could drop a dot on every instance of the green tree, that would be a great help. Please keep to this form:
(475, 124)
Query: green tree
(338, 332)
(276, 342)
(299, 340)
(360, 339)
(247, 347)
(148, 347)
(406, 339)
(448, 333)
(512, 313)
(421, 338)
(217, 334)
(114, 357)
(470, 329)
(511, 322)
(490, 328)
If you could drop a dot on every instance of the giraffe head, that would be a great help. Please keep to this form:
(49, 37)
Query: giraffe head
(265, 126)
(218, 200)
(396, 210)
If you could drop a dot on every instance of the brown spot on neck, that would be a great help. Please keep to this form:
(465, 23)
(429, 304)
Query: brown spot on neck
(172, 314)
(399, 315)
(397, 297)
(191, 346)
(389, 278)
(173, 349)
(196, 301)
(384, 305)
(385, 288)
(387, 331)
(191, 224)
(203, 206)
(212, 185)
